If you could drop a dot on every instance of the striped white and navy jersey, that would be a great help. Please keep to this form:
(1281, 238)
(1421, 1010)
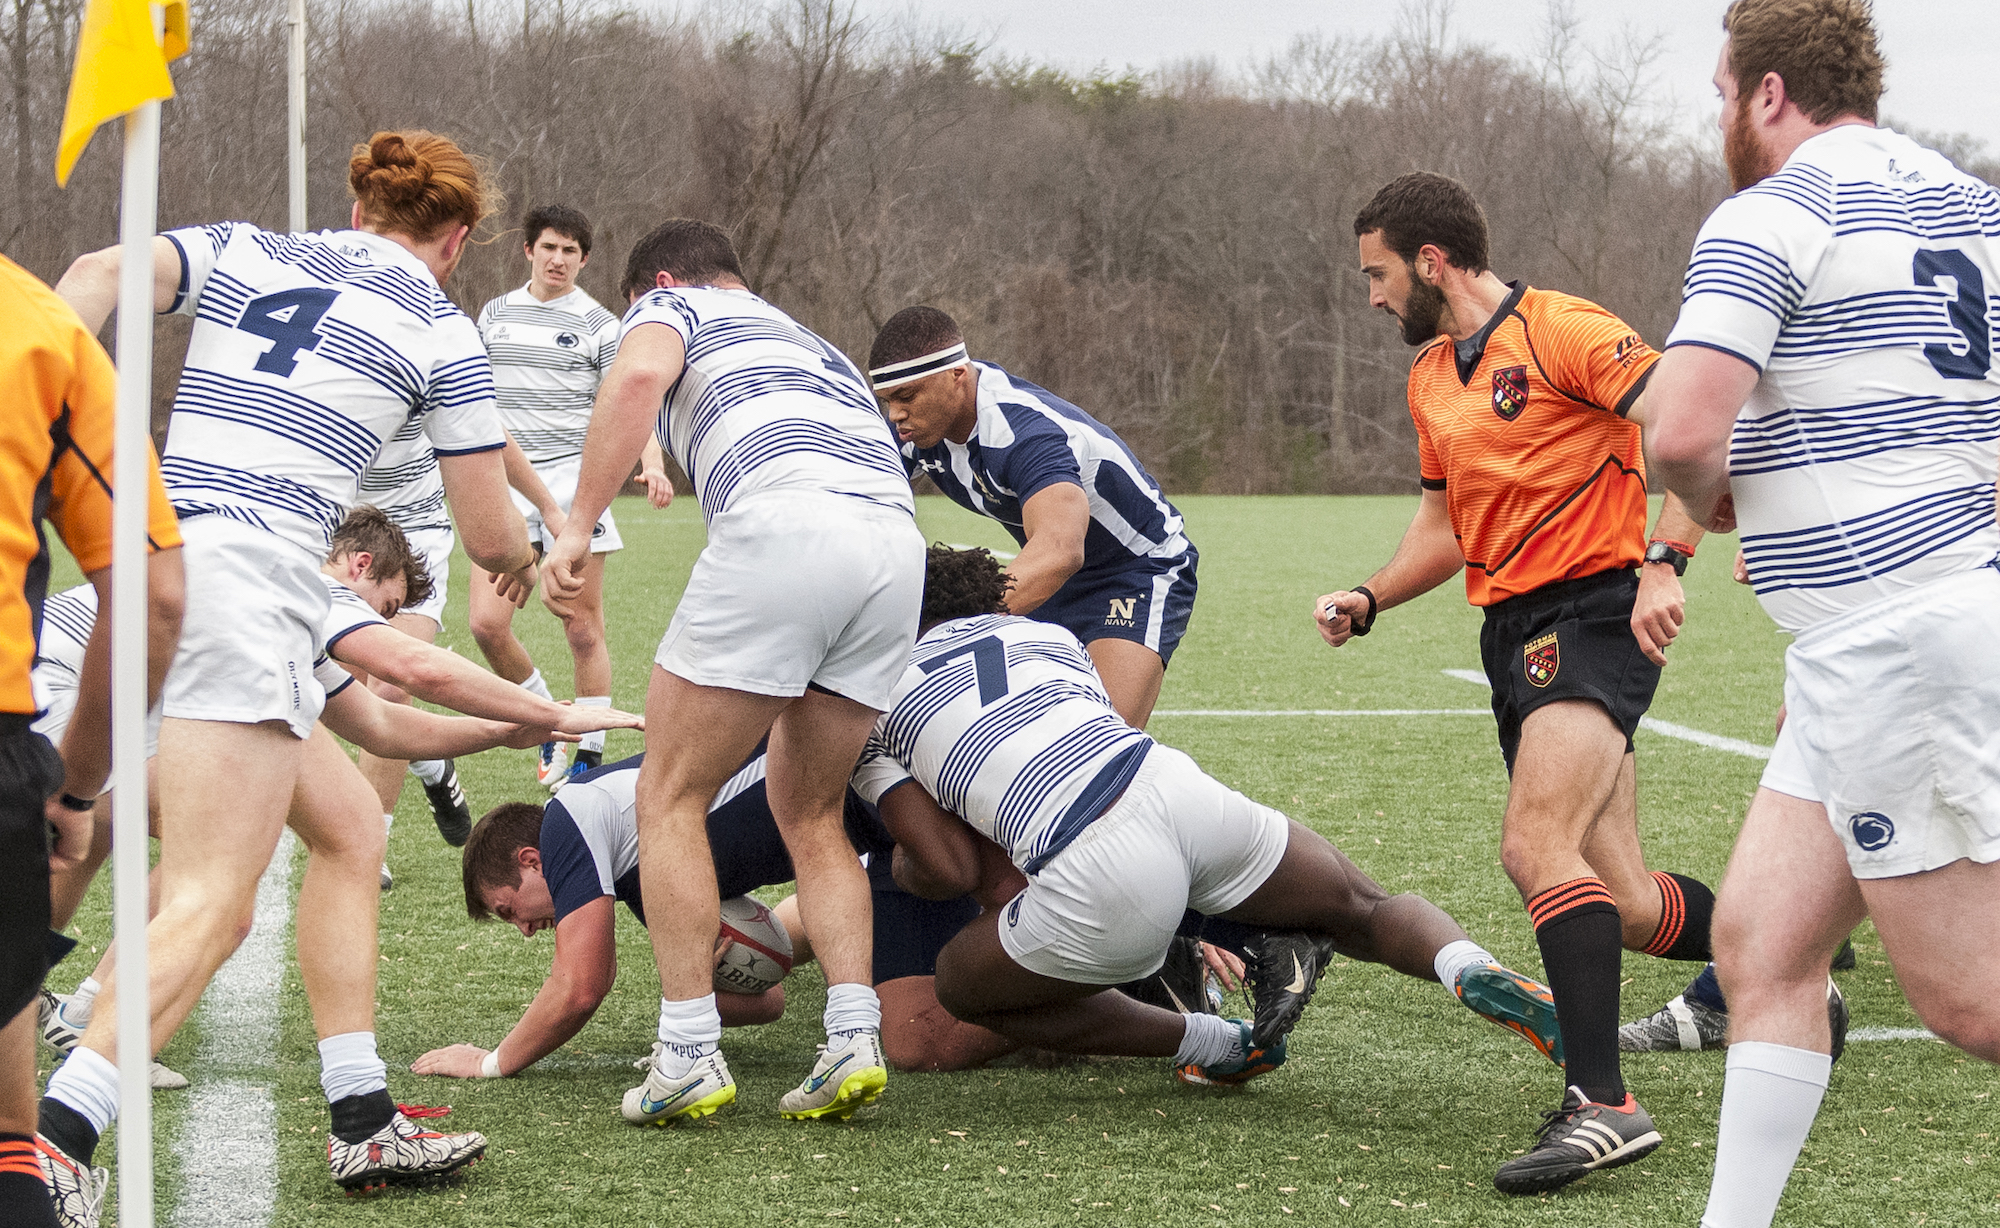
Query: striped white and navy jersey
(347, 612)
(404, 481)
(309, 352)
(548, 359)
(764, 404)
(1003, 721)
(1863, 282)
(1028, 439)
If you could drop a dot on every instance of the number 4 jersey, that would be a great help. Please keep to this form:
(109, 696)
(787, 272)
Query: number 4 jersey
(1005, 723)
(309, 351)
(1859, 281)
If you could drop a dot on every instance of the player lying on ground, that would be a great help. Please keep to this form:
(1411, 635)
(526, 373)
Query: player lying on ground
(1002, 721)
(258, 490)
(795, 622)
(566, 865)
(1534, 486)
(1859, 465)
(1102, 551)
(551, 343)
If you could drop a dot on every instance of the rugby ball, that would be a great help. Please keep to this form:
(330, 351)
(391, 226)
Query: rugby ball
(759, 953)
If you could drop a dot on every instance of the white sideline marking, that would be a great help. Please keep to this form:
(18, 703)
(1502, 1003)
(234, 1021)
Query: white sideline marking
(1322, 712)
(230, 1173)
(1714, 741)
(1892, 1034)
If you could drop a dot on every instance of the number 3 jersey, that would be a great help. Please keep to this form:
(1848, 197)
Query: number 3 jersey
(1859, 281)
(1004, 722)
(309, 351)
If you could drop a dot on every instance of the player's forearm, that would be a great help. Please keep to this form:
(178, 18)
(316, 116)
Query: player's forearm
(1427, 556)
(440, 676)
(86, 748)
(90, 284)
(1038, 571)
(1675, 525)
(399, 731)
(492, 532)
(652, 458)
(522, 477)
(166, 600)
(619, 427)
(556, 1014)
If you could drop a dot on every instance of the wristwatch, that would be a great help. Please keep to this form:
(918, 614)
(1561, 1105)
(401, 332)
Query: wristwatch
(1671, 553)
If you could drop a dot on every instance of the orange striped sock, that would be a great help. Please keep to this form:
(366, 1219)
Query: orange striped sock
(1686, 907)
(1577, 928)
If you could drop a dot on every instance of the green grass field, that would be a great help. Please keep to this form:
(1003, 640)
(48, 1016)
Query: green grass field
(1396, 1105)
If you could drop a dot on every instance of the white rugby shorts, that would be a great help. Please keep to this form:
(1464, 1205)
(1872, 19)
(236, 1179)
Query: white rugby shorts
(433, 547)
(799, 588)
(561, 478)
(1893, 723)
(254, 625)
(1105, 909)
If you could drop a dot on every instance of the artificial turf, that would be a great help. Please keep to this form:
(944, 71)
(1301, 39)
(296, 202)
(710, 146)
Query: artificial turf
(1396, 1105)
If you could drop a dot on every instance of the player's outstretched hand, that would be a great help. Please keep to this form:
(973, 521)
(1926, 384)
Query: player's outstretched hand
(515, 586)
(1224, 964)
(659, 487)
(1659, 611)
(1335, 615)
(528, 737)
(577, 719)
(452, 1061)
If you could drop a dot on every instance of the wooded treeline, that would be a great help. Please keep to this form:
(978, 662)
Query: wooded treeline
(1173, 251)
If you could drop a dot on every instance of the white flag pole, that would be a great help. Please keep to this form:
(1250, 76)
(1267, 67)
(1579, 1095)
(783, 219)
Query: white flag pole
(136, 223)
(295, 143)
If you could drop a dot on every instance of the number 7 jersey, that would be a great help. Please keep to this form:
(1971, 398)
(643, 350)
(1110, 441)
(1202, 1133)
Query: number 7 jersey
(310, 351)
(1860, 281)
(1004, 722)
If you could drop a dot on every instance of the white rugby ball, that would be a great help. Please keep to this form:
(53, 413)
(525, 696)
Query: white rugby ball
(760, 952)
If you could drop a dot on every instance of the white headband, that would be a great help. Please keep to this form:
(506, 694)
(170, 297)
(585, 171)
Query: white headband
(916, 368)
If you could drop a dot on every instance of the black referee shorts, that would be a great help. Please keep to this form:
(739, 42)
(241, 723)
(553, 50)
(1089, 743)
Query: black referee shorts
(1568, 640)
(30, 770)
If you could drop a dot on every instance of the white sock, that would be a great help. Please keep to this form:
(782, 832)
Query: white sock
(852, 1008)
(533, 684)
(348, 1066)
(430, 771)
(1453, 958)
(1770, 1095)
(593, 741)
(388, 822)
(1208, 1041)
(78, 1010)
(689, 1029)
(89, 1084)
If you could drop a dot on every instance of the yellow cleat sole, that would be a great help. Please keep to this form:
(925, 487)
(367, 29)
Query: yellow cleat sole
(704, 1107)
(857, 1091)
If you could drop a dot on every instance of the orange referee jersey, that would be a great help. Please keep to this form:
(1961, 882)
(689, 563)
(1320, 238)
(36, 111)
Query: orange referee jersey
(1522, 426)
(57, 396)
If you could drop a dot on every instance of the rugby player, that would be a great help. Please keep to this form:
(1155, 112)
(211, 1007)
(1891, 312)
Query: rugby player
(308, 352)
(566, 865)
(1534, 485)
(551, 343)
(1002, 759)
(795, 624)
(1828, 390)
(1102, 551)
(57, 427)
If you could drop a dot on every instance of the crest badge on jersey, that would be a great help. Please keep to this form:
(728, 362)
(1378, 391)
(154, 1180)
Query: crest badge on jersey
(1628, 348)
(1510, 392)
(1541, 659)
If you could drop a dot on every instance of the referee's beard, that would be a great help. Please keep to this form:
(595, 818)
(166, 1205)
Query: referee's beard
(1422, 312)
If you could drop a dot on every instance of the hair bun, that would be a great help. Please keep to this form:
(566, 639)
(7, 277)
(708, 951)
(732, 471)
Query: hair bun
(416, 182)
(398, 175)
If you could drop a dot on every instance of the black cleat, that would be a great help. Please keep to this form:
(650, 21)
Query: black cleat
(1843, 959)
(1836, 1017)
(1284, 969)
(1180, 985)
(448, 807)
(1580, 1138)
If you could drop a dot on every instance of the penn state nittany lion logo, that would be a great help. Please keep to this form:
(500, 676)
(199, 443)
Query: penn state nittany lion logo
(566, 340)
(1510, 392)
(1541, 659)
(1014, 910)
(1872, 830)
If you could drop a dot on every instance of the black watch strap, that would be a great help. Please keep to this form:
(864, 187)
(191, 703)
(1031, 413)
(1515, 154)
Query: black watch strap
(1363, 628)
(1666, 552)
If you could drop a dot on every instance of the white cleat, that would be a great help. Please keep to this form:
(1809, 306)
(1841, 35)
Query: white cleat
(661, 1101)
(847, 1077)
(76, 1191)
(401, 1152)
(552, 770)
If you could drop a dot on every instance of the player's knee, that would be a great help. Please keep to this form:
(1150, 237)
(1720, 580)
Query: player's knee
(1521, 855)
(1966, 1023)
(491, 627)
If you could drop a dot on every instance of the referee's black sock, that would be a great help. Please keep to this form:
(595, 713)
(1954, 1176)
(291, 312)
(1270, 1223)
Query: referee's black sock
(1576, 926)
(68, 1129)
(1686, 908)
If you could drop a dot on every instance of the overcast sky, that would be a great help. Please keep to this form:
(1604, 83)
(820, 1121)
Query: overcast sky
(1940, 52)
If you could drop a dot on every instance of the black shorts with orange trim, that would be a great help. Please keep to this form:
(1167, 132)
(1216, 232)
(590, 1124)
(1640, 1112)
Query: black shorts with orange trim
(1568, 640)
(30, 770)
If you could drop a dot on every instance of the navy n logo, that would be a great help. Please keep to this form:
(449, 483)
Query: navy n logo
(989, 663)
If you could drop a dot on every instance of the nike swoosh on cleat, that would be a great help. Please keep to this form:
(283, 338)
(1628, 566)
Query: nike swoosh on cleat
(1298, 984)
(818, 1081)
(648, 1105)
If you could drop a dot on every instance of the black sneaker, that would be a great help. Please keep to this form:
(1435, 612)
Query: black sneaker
(1181, 984)
(1283, 970)
(1843, 959)
(1576, 1140)
(448, 807)
(1836, 1017)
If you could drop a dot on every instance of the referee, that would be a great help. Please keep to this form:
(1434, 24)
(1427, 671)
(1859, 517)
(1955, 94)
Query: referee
(58, 391)
(1534, 484)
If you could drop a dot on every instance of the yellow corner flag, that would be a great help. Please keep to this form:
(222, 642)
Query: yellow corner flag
(120, 67)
